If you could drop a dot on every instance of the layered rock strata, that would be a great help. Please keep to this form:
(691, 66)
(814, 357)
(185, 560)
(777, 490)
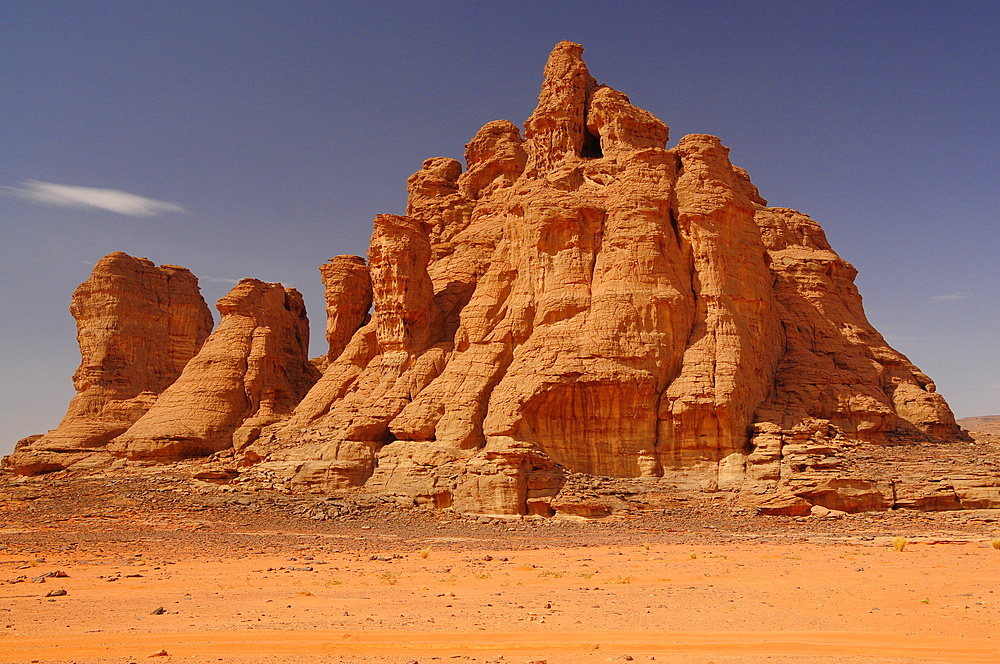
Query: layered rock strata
(138, 325)
(251, 372)
(585, 300)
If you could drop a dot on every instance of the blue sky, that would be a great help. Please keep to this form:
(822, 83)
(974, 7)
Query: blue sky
(260, 138)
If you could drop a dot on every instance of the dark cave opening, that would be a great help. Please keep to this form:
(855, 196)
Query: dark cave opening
(591, 146)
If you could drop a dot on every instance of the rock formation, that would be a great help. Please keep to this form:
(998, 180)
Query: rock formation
(137, 326)
(251, 372)
(585, 300)
(582, 301)
(348, 287)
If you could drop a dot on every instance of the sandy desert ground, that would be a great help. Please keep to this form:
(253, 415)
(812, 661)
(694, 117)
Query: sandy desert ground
(159, 568)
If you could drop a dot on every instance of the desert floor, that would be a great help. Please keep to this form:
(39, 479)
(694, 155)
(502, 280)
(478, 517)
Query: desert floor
(191, 572)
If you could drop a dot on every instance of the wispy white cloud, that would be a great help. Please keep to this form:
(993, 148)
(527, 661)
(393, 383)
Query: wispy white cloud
(951, 297)
(220, 280)
(112, 200)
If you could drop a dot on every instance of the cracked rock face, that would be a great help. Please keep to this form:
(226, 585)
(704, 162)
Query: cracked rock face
(137, 326)
(586, 300)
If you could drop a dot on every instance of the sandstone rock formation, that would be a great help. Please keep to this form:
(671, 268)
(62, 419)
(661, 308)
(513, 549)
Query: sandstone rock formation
(581, 316)
(250, 373)
(585, 300)
(348, 290)
(137, 326)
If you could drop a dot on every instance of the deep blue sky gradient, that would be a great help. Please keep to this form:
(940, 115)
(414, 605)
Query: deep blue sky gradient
(284, 127)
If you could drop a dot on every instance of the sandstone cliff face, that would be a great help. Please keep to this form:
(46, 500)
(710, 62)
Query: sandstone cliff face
(137, 325)
(585, 300)
(250, 373)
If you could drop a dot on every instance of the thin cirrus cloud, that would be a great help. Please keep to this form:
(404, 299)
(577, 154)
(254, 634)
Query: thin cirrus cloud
(951, 297)
(112, 200)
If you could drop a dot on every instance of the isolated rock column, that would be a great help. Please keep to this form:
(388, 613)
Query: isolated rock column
(138, 325)
(348, 291)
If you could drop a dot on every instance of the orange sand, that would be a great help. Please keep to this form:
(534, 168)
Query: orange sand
(828, 600)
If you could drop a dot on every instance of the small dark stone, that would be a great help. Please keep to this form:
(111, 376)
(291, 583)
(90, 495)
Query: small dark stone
(159, 611)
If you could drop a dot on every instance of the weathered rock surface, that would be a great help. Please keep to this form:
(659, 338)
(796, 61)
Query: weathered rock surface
(137, 325)
(250, 373)
(348, 291)
(585, 300)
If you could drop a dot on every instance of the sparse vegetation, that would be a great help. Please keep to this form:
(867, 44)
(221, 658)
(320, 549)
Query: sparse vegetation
(693, 556)
(425, 552)
(899, 543)
(995, 543)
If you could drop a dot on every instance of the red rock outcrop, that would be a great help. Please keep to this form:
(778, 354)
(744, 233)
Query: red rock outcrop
(250, 373)
(585, 300)
(138, 325)
(348, 290)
